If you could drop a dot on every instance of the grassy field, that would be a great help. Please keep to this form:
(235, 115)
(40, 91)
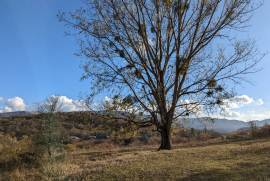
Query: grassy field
(246, 160)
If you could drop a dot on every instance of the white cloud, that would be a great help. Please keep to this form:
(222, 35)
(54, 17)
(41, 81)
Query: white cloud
(12, 104)
(7, 109)
(231, 114)
(16, 104)
(68, 104)
(239, 101)
(241, 107)
(244, 108)
(246, 115)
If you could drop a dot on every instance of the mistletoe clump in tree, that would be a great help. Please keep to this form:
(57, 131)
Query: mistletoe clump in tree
(174, 57)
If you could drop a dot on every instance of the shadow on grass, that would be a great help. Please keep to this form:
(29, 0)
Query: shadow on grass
(241, 171)
(220, 175)
(246, 169)
(214, 175)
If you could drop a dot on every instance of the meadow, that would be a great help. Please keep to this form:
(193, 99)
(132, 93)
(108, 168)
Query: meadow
(243, 160)
(109, 150)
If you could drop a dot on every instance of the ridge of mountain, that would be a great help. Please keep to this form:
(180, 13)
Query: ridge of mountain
(220, 125)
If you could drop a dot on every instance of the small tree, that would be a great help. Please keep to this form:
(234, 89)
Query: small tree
(51, 137)
(173, 57)
(253, 128)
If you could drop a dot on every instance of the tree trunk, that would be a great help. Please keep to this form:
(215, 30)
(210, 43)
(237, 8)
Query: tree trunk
(165, 134)
(49, 151)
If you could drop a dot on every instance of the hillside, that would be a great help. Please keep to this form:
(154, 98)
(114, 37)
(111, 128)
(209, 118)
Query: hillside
(82, 119)
(79, 124)
(86, 128)
(92, 127)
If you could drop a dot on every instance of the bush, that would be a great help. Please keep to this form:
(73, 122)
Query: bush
(17, 153)
(261, 132)
(127, 141)
(144, 137)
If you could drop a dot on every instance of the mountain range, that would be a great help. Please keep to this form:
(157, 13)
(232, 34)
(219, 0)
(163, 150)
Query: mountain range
(16, 113)
(220, 125)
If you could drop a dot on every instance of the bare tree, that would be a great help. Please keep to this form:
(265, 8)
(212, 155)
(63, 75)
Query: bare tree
(51, 105)
(173, 57)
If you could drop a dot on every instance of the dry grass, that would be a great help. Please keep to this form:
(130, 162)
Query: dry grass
(246, 160)
(239, 161)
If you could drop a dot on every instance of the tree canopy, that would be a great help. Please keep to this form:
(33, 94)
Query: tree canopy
(167, 58)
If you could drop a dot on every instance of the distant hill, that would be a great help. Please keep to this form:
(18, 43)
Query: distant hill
(15, 114)
(220, 125)
(79, 124)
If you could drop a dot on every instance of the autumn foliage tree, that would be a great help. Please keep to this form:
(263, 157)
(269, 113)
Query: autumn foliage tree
(171, 58)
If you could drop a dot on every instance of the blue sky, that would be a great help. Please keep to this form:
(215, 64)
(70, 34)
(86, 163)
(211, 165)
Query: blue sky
(37, 59)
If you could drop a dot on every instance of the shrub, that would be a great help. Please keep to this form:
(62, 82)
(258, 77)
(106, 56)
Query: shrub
(17, 153)
(144, 137)
(261, 132)
(127, 141)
